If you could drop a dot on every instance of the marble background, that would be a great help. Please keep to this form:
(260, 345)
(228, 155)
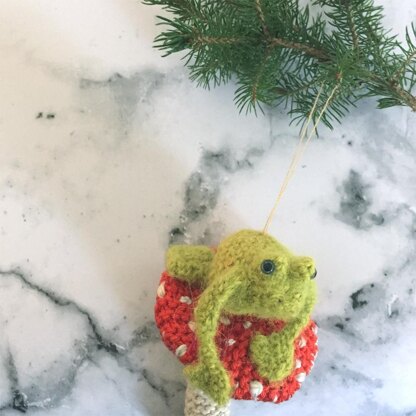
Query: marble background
(108, 152)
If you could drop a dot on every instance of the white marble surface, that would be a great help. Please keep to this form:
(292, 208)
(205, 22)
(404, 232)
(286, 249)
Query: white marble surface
(105, 148)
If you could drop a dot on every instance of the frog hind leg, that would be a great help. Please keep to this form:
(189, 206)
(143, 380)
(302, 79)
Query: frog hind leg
(208, 374)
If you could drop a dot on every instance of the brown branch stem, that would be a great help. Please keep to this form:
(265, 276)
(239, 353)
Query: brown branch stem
(262, 18)
(402, 68)
(352, 28)
(201, 40)
(404, 96)
(258, 75)
(223, 40)
(306, 49)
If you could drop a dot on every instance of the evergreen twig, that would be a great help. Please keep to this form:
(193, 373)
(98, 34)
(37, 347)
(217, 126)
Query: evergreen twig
(279, 54)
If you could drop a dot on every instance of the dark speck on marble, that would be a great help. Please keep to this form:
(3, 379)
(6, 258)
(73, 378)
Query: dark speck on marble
(20, 401)
(48, 116)
(357, 300)
(355, 203)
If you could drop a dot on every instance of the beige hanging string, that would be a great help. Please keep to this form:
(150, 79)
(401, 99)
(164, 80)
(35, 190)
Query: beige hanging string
(299, 151)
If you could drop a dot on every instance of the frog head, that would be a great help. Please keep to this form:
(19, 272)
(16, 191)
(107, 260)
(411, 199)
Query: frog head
(274, 282)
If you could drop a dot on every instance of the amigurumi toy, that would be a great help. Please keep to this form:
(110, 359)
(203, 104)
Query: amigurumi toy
(238, 317)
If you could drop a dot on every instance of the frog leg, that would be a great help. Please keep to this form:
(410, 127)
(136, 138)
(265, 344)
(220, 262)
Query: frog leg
(273, 355)
(208, 374)
(189, 263)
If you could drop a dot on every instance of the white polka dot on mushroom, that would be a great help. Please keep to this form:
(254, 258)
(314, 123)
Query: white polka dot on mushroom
(255, 389)
(224, 320)
(181, 350)
(301, 377)
(161, 290)
(185, 299)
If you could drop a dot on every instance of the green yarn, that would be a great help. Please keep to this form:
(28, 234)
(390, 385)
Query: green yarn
(281, 294)
(273, 355)
(189, 263)
(237, 281)
(208, 374)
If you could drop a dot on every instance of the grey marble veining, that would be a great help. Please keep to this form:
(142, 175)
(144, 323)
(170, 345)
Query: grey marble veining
(108, 153)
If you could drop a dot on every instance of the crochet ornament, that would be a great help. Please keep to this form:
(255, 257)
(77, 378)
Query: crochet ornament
(238, 317)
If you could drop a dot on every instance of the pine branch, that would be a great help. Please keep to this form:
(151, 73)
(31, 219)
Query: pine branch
(279, 55)
(400, 71)
(352, 27)
(307, 50)
(259, 10)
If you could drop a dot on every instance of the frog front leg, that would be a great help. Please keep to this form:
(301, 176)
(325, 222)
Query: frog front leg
(189, 263)
(274, 355)
(208, 374)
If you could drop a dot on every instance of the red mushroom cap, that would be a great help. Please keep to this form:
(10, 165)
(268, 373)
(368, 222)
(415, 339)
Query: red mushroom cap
(175, 303)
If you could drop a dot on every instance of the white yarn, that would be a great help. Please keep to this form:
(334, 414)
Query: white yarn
(197, 403)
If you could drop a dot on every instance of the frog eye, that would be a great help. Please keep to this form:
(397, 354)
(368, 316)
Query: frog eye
(268, 266)
(314, 274)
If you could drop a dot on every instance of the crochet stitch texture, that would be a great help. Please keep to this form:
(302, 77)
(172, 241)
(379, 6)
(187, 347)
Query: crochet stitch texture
(174, 313)
(250, 275)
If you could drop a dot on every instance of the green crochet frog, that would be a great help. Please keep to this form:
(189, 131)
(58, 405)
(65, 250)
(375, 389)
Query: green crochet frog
(250, 273)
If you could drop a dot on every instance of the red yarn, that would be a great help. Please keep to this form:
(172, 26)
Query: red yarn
(174, 313)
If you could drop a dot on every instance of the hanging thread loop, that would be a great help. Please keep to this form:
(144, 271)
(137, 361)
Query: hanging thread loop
(300, 150)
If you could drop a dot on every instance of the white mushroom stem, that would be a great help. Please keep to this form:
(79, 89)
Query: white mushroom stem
(197, 403)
